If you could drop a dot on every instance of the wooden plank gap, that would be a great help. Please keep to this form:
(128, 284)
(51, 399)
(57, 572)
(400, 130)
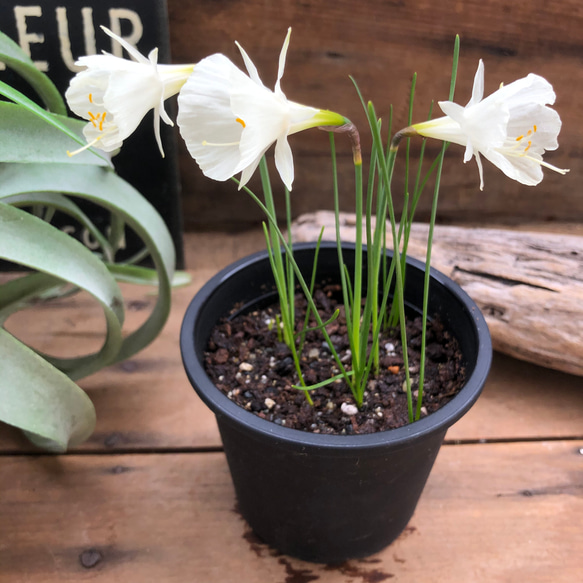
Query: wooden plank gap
(128, 451)
(538, 439)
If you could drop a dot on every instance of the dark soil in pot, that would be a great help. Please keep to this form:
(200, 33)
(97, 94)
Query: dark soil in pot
(247, 361)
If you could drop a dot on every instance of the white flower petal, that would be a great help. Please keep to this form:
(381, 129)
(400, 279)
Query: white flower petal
(129, 96)
(206, 121)
(281, 66)
(480, 170)
(249, 65)
(486, 123)
(303, 117)
(469, 152)
(478, 88)
(264, 116)
(133, 52)
(284, 161)
(153, 56)
(249, 170)
(530, 89)
(446, 128)
(518, 168)
(107, 138)
(548, 127)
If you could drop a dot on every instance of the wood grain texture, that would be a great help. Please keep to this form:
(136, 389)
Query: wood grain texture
(529, 285)
(147, 403)
(145, 501)
(491, 512)
(382, 44)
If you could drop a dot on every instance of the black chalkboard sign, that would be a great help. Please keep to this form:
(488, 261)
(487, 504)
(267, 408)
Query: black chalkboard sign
(55, 33)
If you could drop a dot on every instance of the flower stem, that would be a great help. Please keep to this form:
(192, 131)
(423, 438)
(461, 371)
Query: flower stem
(430, 241)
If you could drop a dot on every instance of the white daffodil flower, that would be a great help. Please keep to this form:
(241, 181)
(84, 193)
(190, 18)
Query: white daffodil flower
(512, 127)
(229, 119)
(114, 94)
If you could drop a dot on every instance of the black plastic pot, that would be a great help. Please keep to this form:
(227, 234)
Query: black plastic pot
(329, 498)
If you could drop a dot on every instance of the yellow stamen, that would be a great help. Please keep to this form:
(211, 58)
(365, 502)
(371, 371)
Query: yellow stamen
(97, 119)
(519, 138)
(241, 122)
(91, 98)
(85, 147)
(528, 147)
(534, 128)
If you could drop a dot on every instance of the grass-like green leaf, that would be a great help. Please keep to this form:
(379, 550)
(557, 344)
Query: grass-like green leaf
(325, 382)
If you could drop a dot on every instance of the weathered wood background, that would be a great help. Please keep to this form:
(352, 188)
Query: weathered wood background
(381, 44)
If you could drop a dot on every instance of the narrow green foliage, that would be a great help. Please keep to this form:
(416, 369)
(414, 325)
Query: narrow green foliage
(304, 331)
(369, 289)
(430, 238)
(324, 383)
(302, 334)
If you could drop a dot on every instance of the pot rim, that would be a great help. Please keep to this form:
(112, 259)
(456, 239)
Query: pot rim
(440, 420)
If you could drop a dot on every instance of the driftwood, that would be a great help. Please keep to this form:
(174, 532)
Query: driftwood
(529, 285)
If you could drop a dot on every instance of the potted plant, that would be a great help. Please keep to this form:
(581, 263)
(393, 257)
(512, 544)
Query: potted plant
(38, 392)
(317, 496)
(312, 492)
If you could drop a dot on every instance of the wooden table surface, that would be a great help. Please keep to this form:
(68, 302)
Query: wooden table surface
(149, 497)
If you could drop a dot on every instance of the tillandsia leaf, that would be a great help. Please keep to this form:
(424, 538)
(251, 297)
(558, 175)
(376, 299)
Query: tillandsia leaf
(50, 118)
(55, 201)
(70, 261)
(14, 57)
(39, 399)
(22, 291)
(104, 188)
(27, 137)
(116, 233)
(144, 275)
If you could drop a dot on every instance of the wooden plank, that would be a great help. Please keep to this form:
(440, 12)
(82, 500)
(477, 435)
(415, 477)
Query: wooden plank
(382, 45)
(523, 401)
(489, 513)
(148, 403)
